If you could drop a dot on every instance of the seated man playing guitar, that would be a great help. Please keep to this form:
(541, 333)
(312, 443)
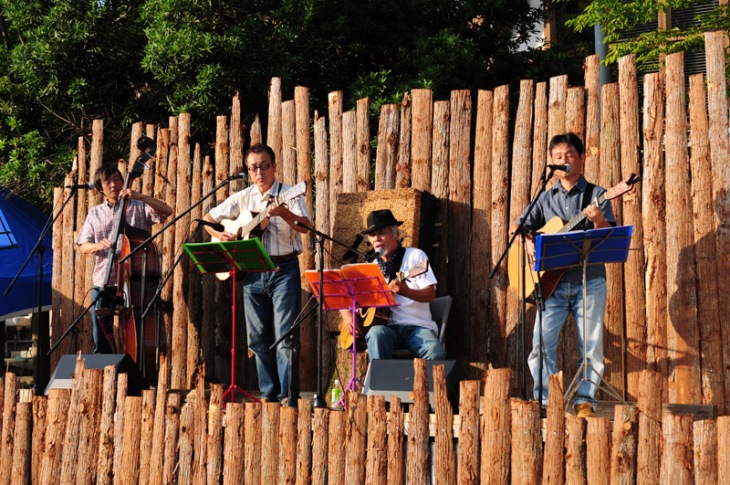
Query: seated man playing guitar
(409, 324)
(570, 196)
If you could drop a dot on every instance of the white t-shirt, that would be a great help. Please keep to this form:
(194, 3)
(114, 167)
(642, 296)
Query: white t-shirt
(411, 312)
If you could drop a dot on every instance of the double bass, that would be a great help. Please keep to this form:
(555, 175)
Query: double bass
(136, 282)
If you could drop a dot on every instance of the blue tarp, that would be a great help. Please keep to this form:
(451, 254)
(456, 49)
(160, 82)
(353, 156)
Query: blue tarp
(20, 226)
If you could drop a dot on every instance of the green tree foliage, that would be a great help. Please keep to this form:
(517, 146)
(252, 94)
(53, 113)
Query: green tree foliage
(618, 16)
(64, 63)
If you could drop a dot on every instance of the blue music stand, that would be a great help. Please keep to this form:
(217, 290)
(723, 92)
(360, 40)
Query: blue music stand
(595, 246)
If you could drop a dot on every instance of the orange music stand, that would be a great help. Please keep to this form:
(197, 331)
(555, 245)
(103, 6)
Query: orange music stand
(352, 287)
(245, 255)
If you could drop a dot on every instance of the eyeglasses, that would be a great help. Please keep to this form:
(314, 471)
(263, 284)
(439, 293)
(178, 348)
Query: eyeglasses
(263, 167)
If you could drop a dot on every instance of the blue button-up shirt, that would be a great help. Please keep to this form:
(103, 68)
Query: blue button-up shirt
(558, 202)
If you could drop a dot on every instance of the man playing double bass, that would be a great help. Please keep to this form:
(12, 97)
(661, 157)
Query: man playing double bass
(94, 238)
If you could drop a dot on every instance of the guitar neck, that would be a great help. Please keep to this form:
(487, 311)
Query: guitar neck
(578, 218)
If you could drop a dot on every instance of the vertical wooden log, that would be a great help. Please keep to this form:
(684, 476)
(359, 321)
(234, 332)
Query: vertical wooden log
(235, 145)
(57, 277)
(186, 448)
(38, 438)
(335, 172)
(403, 166)
(496, 425)
(417, 466)
(500, 221)
(422, 111)
(539, 135)
(704, 437)
(715, 48)
(708, 315)
(376, 454)
(575, 112)
(554, 464)
(556, 105)
(201, 429)
(274, 128)
(324, 205)
(677, 459)
(270, 442)
(80, 259)
(575, 450)
(222, 157)
(58, 405)
(129, 471)
(598, 451)
(172, 434)
(526, 442)
(180, 317)
(194, 297)
(20, 474)
(468, 459)
(320, 432)
(363, 144)
(592, 142)
(460, 218)
(288, 445)
(234, 445)
(146, 434)
(252, 432)
(650, 407)
(623, 448)
(304, 443)
(158, 430)
(480, 224)
(349, 152)
(653, 209)
(444, 459)
(609, 175)
(105, 458)
(723, 446)
(355, 427)
(67, 251)
(396, 463)
(71, 438)
(214, 454)
(631, 204)
(288, 143)
(121, 396)
(682, 332)
(256, 136)
(304, 174)
(440, 190)
(386, 152)
(336, 455)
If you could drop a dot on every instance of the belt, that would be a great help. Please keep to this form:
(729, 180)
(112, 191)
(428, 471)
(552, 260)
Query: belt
(284, 257)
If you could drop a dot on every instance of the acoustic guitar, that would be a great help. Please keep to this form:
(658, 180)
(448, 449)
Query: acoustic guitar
(248, 224)
(549, 279)
(377, 315)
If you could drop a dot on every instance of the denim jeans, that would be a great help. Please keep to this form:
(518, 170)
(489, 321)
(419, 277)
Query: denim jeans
(272, 301)
(382, 340)
(101, 343)
(568, 297)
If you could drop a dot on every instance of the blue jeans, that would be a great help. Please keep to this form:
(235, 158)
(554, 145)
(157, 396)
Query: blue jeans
(569, 298)
(382, 340)
(272, 301)
(101, 335)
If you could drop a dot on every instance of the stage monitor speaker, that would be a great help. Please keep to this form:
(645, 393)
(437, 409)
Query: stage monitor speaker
(394, 377)
(62, 377)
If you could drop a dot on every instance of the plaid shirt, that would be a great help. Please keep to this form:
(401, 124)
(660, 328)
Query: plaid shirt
(279, 239)
(99, 225)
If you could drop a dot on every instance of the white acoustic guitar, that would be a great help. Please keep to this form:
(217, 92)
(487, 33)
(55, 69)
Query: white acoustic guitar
(247, 224)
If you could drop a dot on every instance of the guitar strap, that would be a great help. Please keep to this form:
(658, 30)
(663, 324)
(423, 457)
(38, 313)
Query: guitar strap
(587, 195)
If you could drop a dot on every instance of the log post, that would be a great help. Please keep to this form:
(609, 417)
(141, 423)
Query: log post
(444, 459)
(396, 421)
(598, 451)
(704, 436)
(468, 459)
(553, 471)
(129, 471)
(320, 433)
(575, 450)
(252, 432)
(234, 445)
(496, 424)
(526, 442)
(376, 454)
(304, 443)
(417, 467)
(677, 459)
(623, 449)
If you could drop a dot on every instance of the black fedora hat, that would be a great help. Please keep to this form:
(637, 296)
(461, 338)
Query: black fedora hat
(380, 219)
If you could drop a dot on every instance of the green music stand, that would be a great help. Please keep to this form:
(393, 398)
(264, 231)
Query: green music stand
(231, 257)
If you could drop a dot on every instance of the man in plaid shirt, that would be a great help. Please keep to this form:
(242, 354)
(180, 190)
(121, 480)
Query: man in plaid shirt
(94, 238)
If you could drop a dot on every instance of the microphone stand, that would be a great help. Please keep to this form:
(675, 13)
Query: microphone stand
(522, 232)
(41, 369)
(319, 239)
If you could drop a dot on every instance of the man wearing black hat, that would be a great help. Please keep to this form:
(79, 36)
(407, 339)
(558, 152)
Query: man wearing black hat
(410, 325)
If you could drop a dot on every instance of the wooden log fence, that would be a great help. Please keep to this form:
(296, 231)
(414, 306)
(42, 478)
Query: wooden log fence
(372, 441)
(482, 163)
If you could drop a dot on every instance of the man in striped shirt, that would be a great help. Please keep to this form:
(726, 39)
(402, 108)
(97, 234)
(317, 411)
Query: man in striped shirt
(272, 300)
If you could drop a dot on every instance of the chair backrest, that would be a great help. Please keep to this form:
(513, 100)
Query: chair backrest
(440, 308)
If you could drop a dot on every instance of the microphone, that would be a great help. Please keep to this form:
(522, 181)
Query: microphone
(216, 226)
(560, 168)
(373, 255)
(89, 186)
(242, 176)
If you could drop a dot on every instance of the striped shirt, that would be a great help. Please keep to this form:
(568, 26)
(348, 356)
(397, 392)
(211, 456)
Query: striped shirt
(279, 238)
(99, 225)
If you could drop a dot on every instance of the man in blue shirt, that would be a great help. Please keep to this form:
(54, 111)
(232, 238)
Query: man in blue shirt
(567, 198)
